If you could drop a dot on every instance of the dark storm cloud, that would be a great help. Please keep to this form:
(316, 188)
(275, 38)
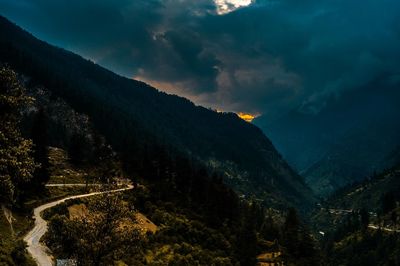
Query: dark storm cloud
(318, 47)
(265, 58)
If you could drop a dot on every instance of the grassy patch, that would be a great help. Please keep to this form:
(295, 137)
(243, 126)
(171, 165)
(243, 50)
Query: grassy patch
(12, 248)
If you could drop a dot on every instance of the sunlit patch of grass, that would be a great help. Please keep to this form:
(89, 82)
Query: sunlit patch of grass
(61, 169)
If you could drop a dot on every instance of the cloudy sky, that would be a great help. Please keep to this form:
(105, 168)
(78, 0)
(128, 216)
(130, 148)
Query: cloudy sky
(258, 57)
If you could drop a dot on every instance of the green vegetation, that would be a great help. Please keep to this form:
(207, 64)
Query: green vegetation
(104, 235)
(136, 119)
(17, 164)
(24, 169)
(354, 244)
(183, 236)
(62, 171)
(360, 223)
(185, 167)
(12, 248)
(40, 141)
(16, 168)
(200, 219)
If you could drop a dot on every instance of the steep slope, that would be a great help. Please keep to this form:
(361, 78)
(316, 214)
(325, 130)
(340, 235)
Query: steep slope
(346, 141)
(363, 218)
(357, 155)
(379, 196)
(370, 194)
(136, 117)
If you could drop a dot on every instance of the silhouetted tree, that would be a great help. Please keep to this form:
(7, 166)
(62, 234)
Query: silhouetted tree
(291, 231)
(270, 230)
(77, 149)
(364, 218)
(393, 217)
(103, 159)
(388, 202)
(247, 240)
(40, 141)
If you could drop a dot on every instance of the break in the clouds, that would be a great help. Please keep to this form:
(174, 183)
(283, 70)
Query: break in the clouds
(226, 6)
(261, 56)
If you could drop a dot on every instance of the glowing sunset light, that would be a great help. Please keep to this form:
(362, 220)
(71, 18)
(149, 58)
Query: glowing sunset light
(246, 117)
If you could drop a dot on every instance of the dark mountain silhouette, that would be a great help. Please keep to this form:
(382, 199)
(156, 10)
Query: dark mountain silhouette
(135, 118)
(355, 135)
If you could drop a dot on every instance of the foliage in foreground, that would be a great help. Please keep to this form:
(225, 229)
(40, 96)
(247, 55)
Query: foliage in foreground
(16, 161)
(101, 236)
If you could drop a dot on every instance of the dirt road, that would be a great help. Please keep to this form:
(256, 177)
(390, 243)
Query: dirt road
(38, 251)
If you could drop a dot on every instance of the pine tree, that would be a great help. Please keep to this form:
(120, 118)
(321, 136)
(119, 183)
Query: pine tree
(388, 202)
(41, 153)
(103, 159)
(269, 230)
(77, 149)
(299, 242)
(247, 238)
(291, 232)
(364, 218)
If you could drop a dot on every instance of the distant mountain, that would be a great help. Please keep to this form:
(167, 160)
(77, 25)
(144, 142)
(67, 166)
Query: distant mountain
(136, 117)
(347, 141)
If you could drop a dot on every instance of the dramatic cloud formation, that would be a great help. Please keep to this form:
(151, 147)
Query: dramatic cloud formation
(261, 56)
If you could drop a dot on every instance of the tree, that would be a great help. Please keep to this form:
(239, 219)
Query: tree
(41, 153)
(106, 233)
(103, 159)
(364, 218)
(299, 241)
(247, 241)
(393, 217)
(307, 249)
(388, 202)
(77, 149)
(291, 231)
(16, 161)
(269, 230)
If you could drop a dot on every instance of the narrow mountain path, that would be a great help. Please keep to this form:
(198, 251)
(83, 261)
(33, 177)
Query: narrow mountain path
(72, 185)
(371, 226)
(387, 229)
(39, 251)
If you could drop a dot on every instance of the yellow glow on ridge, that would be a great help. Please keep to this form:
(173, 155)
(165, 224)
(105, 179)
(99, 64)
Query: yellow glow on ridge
(246, 117)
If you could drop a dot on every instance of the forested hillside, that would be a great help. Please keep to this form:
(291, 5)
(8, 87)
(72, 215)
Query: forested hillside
(138, 120)
(365, 218)
(197, 218)
(373, 193)
(191, 133)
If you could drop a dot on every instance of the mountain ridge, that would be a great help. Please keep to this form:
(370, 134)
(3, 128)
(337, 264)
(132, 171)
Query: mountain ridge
(347, 141)
(140, 117)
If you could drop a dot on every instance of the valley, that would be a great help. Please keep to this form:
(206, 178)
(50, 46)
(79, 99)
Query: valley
(100, 168)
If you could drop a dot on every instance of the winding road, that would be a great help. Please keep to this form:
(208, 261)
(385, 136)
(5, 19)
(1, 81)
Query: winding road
(371, 226)
(387, 229)
(38, 251)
